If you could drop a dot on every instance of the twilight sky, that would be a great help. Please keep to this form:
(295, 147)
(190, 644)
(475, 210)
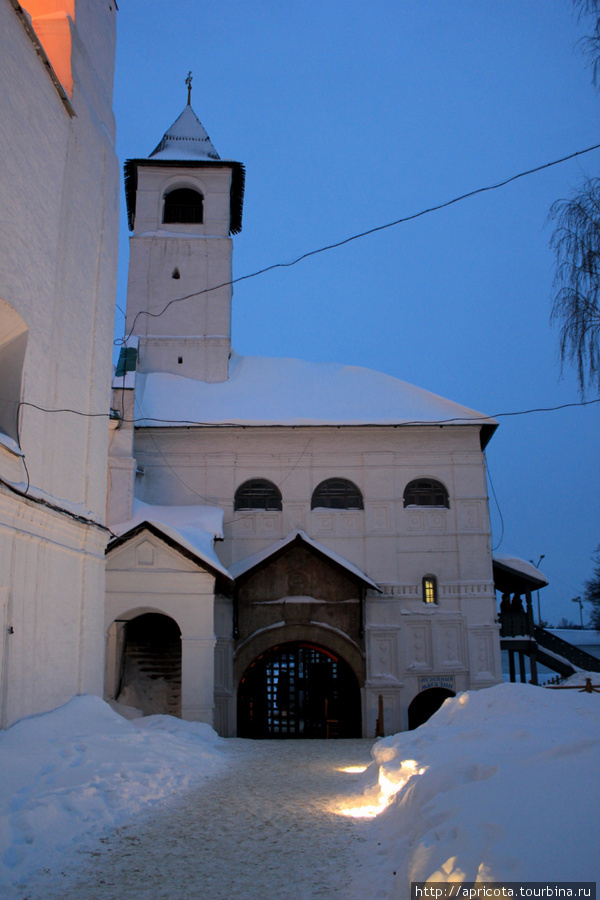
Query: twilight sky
(350, 115)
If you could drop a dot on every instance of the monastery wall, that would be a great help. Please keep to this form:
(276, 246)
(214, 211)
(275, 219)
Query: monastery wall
(58, 252)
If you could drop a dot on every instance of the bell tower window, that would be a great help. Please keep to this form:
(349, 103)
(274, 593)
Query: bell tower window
(183, 206)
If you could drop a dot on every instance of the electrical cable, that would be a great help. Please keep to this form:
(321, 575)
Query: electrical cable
(308, 254)
(195, 422)
(489, 475)
(355, 237)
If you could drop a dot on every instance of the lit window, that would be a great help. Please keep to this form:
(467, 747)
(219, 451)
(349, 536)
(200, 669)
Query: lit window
(430, 589)
(426, 492)
(337, 493)
(183, 206)
(258, 493)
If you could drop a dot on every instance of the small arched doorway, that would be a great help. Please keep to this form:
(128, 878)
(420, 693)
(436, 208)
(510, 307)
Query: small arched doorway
(299, 690)
(425, 704)
(151, 665)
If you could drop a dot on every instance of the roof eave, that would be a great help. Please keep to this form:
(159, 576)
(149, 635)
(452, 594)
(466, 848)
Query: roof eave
(121, 539)
(296, 541)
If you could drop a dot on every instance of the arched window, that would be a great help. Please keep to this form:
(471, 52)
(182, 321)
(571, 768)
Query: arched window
(426, 492)
(183, 206)
(13, 343)
(258, 493)
(337, 493)
(430, 592)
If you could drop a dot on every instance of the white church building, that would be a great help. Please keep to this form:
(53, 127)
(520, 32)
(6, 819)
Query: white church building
(300, 549)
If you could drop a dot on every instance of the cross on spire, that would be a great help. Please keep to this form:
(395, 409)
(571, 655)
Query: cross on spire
(188, 81)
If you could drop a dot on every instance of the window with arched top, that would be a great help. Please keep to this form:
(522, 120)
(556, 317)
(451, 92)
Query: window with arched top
(426, 492)
(258, 493)
(183, 206)
(430, 591)
(337, 493)
(13, 344)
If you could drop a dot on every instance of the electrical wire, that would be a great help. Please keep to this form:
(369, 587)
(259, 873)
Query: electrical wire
(293, 262)
(489, 475)
(196, 422)
(356, 237)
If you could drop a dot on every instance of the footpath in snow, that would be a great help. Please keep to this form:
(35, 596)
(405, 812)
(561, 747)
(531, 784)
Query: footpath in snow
(266, 829)
(500, 785)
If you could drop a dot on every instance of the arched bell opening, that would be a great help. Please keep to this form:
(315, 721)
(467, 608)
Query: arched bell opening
(150, 677)
(299, 690)
(426, 704)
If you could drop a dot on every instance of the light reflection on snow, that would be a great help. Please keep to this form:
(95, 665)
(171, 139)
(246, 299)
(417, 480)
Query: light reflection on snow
(352, 769)
(389, 785)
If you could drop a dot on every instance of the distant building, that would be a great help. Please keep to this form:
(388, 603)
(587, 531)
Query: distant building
(350, 587)
(58, 255)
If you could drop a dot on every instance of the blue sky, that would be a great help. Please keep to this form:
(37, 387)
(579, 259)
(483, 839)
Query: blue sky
(349, 115)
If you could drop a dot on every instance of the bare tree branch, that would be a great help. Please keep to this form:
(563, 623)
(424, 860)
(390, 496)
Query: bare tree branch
(576, 301)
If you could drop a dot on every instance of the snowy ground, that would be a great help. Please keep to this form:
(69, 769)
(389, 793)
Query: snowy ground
(499, 784)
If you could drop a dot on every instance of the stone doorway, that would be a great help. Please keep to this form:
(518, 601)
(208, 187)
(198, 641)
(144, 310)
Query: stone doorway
(151, 665)
(425, 704)
(299, 690)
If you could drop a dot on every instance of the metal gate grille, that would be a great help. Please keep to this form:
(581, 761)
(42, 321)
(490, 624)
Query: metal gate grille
(298, 690)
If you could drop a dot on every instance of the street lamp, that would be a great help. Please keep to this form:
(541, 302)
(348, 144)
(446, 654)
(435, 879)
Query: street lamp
(578, 600)
(538, 590)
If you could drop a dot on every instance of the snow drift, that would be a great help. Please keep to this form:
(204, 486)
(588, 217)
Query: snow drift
(500, 784)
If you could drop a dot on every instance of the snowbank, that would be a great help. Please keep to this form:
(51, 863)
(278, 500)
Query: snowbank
(500, 784)
(68, 775)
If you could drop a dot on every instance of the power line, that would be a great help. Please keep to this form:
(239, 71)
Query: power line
(361, 234)
(195, 422)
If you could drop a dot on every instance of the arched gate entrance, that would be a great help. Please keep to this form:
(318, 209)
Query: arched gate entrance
(299, 690)
(151, 665)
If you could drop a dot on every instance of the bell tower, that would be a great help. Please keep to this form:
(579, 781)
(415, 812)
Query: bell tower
(183, 202)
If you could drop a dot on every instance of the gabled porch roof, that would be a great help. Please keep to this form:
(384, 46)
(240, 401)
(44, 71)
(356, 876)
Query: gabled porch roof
(298, 537)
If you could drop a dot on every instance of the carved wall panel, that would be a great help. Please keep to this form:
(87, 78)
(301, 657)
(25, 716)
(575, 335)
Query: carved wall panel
(257, 524)
(418, 653)
(450, 644)
(482, 656)
(383, 658)
(350, 523)
(295, 515)
(224, 664)
(415, 520)
(244, 524)
(324, 523)
(379, 518)
(470, 515)
(435, 520)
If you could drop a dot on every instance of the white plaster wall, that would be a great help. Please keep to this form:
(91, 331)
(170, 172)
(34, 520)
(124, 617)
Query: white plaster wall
(396, 547)
(58, 246)
(52, 588)
(393, 545)
(58, 255)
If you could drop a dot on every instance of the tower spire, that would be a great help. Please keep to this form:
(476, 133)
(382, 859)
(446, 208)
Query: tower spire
(188, 81)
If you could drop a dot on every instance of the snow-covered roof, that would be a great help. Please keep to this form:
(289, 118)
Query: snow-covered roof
(267, 391)
(185, 139)
(251, 562)
(193, 528)
(521, 567)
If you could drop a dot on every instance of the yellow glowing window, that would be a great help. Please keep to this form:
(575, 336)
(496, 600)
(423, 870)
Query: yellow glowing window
(430, 589)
